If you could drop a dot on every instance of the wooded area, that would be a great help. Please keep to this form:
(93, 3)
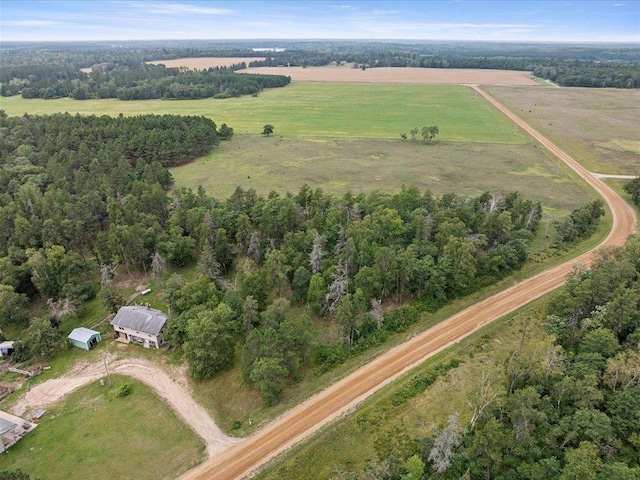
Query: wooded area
(136, 82)
(566, 410)
(53, 70)
(82, 197)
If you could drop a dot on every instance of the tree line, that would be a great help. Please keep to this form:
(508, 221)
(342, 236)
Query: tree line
(598, 66)
(136, 82)
(568, 73)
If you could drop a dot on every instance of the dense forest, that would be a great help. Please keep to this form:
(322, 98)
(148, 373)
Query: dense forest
(49, 70)
(566, 411)
(84, 197)
(137, 82)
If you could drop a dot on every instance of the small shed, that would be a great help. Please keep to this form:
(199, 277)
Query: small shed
(7, 434)
(84, 338)
(6, 348)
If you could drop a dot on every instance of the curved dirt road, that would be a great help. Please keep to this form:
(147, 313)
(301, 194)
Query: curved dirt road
(293, 426)
(175, 392)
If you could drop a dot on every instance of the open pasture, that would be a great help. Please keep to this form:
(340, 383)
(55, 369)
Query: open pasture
(372, 110)
(338, 165)
(95, 434)
(599, 127)
(202, 63)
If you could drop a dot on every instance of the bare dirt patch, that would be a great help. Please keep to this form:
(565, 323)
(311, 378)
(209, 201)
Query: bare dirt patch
(446, 76)
(171, 385)
(205, 62)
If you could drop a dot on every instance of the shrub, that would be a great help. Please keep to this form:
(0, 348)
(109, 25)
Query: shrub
(124, 389)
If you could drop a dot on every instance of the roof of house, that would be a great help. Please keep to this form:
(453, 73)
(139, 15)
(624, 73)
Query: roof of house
(141, 319)
(7, 344)
(6, 425)
(82, 334)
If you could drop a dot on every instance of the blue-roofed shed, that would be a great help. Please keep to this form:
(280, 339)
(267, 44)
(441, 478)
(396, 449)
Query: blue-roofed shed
(84, 338)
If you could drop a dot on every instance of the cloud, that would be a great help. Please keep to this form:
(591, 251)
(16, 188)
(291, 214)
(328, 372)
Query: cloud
(452, 26)
(342, 7)
(384, 12)
(31, 23)
(186, 9)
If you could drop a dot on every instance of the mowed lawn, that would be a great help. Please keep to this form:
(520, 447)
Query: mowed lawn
(337, 165)
(321, 109)
(94, 434)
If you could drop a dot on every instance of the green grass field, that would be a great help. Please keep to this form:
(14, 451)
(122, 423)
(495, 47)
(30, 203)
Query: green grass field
(95, 434)
(338, 165)
(323, 109)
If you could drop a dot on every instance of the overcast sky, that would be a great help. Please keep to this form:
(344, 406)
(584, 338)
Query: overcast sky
(514, 20)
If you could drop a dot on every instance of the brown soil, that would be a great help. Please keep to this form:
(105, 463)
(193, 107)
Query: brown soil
(205, 62)
(450, 76)
(253, 452)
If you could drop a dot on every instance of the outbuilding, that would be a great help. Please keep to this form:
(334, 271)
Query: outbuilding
(6, 348)
(84, 338)
(141, 325)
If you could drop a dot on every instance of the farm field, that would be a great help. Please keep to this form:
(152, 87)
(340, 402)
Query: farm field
(600, 127)
(338, 165)
(83, 437)
(320, 109)
(441, 76)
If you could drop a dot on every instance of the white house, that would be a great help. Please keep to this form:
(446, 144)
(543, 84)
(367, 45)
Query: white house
(141, 325)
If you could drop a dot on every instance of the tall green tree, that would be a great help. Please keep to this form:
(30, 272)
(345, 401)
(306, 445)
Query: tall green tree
(210, 341)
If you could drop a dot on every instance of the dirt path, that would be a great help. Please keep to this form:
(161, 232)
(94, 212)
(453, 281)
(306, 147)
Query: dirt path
(170, 385)
(303, 420)
(611, 175)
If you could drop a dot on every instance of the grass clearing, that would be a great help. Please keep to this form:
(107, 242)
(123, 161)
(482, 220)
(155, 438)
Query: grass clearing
(324, 109)
(338, 165)
(95, 434)
(599, 127)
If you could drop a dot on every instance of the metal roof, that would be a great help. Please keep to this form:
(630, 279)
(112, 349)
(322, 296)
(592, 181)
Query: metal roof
(6, 425)
(141, 319)
(7, 344)
(82, 334)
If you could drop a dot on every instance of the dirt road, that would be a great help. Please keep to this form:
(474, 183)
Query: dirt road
(171, 387)
(317, 411)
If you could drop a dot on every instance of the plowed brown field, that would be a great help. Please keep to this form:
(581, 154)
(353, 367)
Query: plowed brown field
(293, 426)
(449, 76)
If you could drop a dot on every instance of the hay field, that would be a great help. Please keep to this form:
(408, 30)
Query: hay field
(599, 127)
(373, 110)
(339, 165)
(205, 62)
(425, 76)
